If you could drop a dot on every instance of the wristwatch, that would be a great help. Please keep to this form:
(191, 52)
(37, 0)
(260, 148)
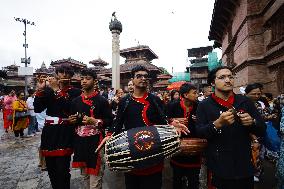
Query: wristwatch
(219, 131)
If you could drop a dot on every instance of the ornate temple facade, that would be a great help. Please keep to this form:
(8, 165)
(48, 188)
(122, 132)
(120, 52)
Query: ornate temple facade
(251, 35)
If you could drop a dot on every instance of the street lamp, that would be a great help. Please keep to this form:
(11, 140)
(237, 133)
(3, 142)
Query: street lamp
(25, 60)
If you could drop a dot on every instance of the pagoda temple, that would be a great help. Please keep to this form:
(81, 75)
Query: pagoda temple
(99, 67)
(199, 65)
(13, 80)
(134, 56)
(43, 70)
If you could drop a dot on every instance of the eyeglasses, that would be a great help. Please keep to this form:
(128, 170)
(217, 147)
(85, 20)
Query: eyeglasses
(223, 77)
(139, 76)
(254, 94)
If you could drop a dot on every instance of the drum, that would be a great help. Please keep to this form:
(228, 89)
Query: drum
(141, 147)
(192, 146)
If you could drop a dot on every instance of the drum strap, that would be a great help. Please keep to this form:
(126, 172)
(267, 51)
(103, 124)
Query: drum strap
(119, 116)
(161, 113)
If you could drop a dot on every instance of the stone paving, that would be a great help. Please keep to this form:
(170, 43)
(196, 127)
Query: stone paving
(19, 168)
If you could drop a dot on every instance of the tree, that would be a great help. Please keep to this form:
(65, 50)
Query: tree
(164, 71)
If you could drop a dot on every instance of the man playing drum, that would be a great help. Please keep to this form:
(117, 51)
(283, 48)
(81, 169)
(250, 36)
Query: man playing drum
(184, 111)
(141, 109)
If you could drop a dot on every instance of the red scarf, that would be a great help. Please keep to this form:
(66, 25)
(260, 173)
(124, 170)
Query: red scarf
(185, 114)
(225, 103)
(146, 104)
(87, 100)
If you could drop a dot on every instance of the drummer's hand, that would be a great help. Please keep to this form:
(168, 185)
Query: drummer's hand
(89, 120)
(182, 120)
(72, 119)
(102, 143)
(181, 128)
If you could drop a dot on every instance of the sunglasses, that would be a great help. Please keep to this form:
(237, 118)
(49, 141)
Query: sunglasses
(140, 76)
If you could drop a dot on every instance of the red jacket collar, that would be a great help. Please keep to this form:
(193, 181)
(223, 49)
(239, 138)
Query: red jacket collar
(225, 103)
(86, 99)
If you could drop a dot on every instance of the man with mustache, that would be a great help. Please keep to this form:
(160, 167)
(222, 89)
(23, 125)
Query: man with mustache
(226, 120)
(141, 109)
(58, 133)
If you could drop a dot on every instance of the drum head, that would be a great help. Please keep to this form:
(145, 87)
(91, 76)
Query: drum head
(144, 142)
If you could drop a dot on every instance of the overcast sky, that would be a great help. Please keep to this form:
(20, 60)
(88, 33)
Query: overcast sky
(79, 29)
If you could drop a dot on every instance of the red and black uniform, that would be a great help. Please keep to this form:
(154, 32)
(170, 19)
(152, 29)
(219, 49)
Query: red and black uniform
(140, 112)
(185, 166)
(57, 134)
(229, 148)
(88, 137)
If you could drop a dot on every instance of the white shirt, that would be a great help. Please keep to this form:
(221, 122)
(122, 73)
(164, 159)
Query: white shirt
(30, 104)
(40, 118)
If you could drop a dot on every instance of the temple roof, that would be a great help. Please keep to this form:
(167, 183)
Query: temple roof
(199, 52)
(222, 12)
(68, 61)
(198, 60)
(142, 50)
(199, 65)
(103, 78)
(12, 67)
(127, 67)
(98, 62)
(161, 84)
(164, 76)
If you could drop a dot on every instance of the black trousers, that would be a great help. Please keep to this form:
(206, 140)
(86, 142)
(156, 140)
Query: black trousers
(19, 133)
(190, 174)
(244, 183)
(153, 181)
(59, 171)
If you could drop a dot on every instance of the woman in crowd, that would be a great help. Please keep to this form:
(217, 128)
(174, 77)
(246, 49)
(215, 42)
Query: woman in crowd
(253, 91)
(174, 95)
(20, 122)
(166, 97)
(8, 109)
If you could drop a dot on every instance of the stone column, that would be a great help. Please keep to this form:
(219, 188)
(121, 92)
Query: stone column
(115, 59)
(115, 27)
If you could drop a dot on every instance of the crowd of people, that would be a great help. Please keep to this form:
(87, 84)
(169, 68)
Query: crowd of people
(77, 122)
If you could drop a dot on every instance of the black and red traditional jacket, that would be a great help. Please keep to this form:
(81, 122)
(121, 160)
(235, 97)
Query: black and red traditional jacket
(95, 106)
(229, 148)
(177, 109)
(57, 134)
(140, 112)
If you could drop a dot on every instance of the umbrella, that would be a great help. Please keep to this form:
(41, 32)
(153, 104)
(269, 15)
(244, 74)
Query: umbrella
(175, 85)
